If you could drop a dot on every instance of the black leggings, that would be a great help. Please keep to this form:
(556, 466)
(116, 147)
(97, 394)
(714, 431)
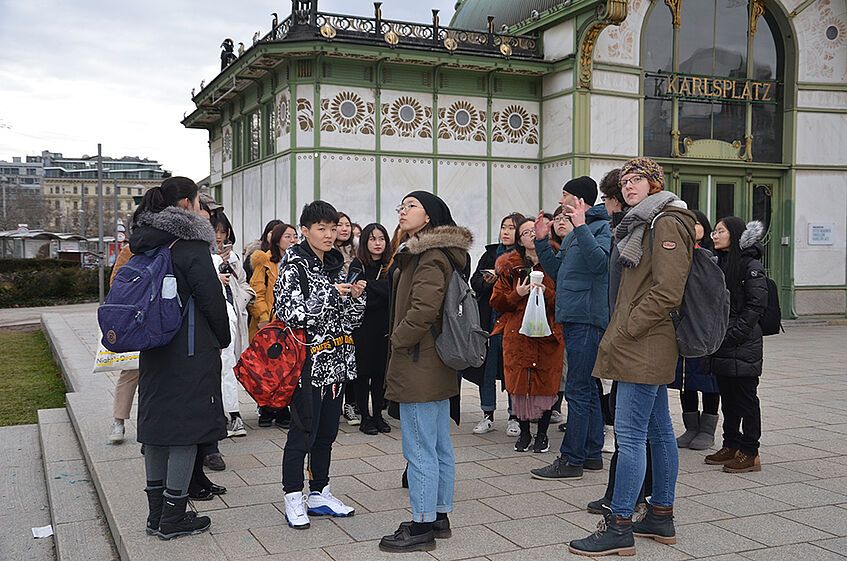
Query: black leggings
(370, 382)
(691, 403)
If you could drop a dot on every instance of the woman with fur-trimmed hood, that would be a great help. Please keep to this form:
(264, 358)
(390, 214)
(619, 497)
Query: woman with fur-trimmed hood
(737, 364)
(416, 376)
(532, 366)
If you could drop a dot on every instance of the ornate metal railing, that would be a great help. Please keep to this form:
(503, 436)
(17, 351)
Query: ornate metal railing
(305, 22)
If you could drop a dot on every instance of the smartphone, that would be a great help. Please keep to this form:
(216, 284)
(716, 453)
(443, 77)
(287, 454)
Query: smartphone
(352, 276)
(225, 247)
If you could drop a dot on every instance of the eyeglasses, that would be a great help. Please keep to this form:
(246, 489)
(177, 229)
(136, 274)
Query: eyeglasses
(561, 218)
(406, 207)
(603, 198)
(528, 233)
(716, 233)
(631, 180)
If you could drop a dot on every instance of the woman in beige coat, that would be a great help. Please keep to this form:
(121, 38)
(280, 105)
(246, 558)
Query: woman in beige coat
(416, 376)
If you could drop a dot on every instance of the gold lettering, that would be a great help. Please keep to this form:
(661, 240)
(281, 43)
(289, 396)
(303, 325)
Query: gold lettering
(673, 84)
(685, 89)
(756, 87)
(766, 95)
(735, 89)
(727, 84)
(695, 84)
(706, 90)
(717, 88)
(746, 93)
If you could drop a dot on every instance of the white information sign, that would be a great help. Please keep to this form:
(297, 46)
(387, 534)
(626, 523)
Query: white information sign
(821, 234)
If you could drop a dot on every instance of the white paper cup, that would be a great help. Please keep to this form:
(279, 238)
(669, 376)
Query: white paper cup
(535, 277)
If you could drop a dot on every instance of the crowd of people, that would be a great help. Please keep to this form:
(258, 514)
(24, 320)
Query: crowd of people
(371, 306)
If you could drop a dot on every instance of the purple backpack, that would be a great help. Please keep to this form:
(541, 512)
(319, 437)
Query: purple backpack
(142, 310)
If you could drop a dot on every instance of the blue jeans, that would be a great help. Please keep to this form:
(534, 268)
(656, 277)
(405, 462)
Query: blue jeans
(641, 412)
(425, 430)
(488, 388)
(584, 435)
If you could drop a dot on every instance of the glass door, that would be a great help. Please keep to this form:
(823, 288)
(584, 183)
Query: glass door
(762, 197)
(693, 189)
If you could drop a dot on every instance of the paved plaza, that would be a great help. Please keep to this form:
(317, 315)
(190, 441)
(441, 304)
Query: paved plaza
(796, 508)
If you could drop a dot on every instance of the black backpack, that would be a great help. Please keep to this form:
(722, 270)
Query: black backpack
(771, 320)
(703, 317)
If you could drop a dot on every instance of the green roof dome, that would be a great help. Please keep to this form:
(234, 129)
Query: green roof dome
(473, 14)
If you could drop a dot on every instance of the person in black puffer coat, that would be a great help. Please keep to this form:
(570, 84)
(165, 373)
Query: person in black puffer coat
(179, 395)
(738, 362)
(372, 261)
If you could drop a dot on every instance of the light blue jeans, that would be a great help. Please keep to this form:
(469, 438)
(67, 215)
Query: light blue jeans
(426, 446)
(641, 412)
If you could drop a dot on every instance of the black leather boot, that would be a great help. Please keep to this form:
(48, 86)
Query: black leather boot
(176, 522)
(613, 535)
(154, 507)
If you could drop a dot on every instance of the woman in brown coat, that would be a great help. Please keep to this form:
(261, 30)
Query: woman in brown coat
(416, 376)
(532, 366)
(639, 350)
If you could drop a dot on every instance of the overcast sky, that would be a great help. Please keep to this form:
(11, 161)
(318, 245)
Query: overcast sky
(75, 73)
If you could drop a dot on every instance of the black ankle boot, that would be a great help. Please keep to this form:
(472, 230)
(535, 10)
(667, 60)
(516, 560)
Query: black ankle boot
(154, 506)
(176, 522)
(658, 524)
(525, 438)
(613, 535)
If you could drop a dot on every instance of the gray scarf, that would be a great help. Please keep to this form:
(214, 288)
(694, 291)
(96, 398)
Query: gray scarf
(630, 232)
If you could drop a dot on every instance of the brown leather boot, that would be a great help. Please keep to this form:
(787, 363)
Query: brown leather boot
(721, 457)
(742, 463)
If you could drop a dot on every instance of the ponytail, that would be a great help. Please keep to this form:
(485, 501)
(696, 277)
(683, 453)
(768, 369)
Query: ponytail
(169, 193)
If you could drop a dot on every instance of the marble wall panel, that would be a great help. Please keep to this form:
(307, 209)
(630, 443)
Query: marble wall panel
(237, 207)
(557, 119)
(821, 139)
(398, 177)
(514, 188)
(462, 125)
(406, 121)
(557, 82)
(282, 130)
(348, 117)
(822, 99)
(600, 168)
(269, 188)
(820, 197)
(621, 44)
(614, 125)
(558, 41)
(822, 40)
(463, 185)
(282, 207)
(251, 218)
(515, 129)
(305, 115)
(226, 147)
(304, 181)
(216, 160)
(227, 194)
(615, 82)
(348, 182)
(554, 175)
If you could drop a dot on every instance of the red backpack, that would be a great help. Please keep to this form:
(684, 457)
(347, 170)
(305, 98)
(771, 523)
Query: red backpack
(269, 369)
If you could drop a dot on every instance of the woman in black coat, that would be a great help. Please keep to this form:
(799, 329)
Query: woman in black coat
(373, 258)
(738, 362)
(179, 396)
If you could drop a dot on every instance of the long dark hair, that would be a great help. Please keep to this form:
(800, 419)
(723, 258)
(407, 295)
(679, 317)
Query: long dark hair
(703, 221)
(349, 240)
(730, 258)
(276, 235)
(516, 219)
(169, 193)
(364, 255)
(553, 234)
(265, 244)
(218, 218)
(518, 247)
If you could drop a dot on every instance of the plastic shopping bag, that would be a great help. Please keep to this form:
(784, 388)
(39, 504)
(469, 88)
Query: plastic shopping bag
(535, 317)
(107, 361)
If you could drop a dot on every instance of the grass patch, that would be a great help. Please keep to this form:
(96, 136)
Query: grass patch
(29, 379)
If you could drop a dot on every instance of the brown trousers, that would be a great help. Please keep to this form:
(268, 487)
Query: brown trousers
(124, 393)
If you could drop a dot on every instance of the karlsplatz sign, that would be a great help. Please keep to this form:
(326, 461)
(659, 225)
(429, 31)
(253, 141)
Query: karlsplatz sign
(669, 85)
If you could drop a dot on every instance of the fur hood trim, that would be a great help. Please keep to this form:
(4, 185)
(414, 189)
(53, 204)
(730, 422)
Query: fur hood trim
(181, 223)
(754, 233)
(440, 237)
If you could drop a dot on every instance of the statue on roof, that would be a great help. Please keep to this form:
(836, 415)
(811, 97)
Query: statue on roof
(227, 56)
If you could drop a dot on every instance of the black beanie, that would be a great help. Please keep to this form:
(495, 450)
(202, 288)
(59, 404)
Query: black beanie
(439, 214)
(583, 188)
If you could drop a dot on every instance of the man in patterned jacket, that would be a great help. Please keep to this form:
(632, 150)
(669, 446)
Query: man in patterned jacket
(312, 293)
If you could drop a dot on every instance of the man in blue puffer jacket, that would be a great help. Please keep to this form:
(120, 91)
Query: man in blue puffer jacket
(581, 270)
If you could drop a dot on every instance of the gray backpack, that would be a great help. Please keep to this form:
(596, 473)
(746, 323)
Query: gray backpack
(462, 342)
(703, 318)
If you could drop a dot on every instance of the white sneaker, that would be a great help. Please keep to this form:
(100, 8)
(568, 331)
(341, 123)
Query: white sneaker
(350, 414)
(609, 439)
(513, 428)
(117, 434)
(556, 417)
(484, 426)
(295, 510)
(236, 428)
(325, 503)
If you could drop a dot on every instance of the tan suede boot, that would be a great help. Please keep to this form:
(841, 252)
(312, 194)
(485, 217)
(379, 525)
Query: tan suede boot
(721, 457)
(742, 463)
